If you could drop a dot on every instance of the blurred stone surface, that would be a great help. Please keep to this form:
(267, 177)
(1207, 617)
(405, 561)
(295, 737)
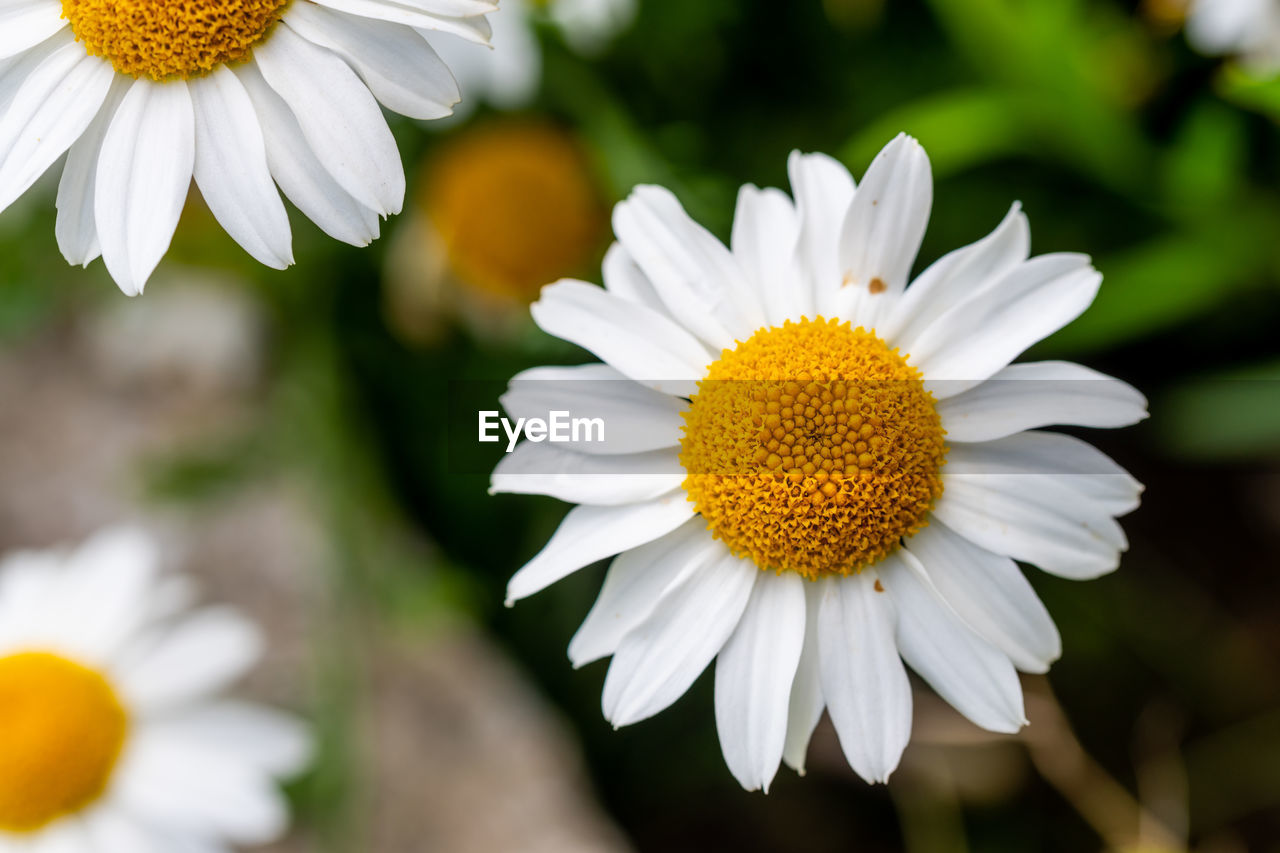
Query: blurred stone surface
(456, 751)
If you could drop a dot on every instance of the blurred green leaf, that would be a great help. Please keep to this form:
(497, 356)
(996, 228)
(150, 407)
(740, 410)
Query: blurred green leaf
(1233, 415)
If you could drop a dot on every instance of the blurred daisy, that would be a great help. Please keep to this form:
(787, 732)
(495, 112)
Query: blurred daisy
(1248, 29)
(239, 94)
(781, 504)
(503, 209)
(508, 76)
(111, 735)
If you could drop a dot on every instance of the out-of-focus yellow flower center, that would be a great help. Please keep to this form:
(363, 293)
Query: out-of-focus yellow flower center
(516, 207)
(61, 730)
(164, 39)
(813, 448)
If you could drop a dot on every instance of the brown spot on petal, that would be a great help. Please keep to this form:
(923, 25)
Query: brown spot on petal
(879, 586)
(877, 285)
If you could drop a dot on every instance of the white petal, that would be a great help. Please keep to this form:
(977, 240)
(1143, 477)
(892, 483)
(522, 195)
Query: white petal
(114, 829)
(865, 684)
(807, 701)
(754, 674)
(957, 277)
(472, 28)
(975, 340)
(1069, 461)
(108, 587)
(1035, 519)
(339, 117)
(640, 343)
(624, 278)
(26, 23)
(148, 157)
(203, 654)
(991, 595)
(634, 583)
(190, 787)
(77, 229)
(659, 659)
(477, 30)
(1027, 396)
(55, 104)
(766, 232)
(546, 469)
(396, 63)
(637, 419)
(300, 174)
(697, 278)
(231, 169)
(882, 232)
(267, 740)
(823, 190)
(967, 671)
(591, 533)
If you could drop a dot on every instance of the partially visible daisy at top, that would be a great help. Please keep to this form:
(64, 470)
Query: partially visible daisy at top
(814, 469)
(242, 95)
(1245, 29)
(114, 735)
(508, 76)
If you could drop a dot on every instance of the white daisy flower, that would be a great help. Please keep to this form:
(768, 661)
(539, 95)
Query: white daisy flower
(508, 76)
(1249, 29)
(778, 414)
(111, 735)
(242, 95)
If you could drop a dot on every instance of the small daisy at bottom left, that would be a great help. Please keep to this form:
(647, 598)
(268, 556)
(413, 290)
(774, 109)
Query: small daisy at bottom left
(114, 735)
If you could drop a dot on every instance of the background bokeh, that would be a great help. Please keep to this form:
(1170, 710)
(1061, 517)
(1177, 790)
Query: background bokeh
(295, 435)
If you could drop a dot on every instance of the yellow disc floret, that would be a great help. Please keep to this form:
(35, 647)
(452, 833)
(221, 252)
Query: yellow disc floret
(164, 39)
(516, 206)
(813, 448)
(61, 730)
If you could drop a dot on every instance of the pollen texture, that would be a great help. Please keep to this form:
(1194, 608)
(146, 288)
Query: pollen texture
(163, 39)
(813, 448)
(61, 731)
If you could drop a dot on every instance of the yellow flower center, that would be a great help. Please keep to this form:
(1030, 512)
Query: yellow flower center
(813, 448)
(516, 207)
(61, 730)
(164, 39)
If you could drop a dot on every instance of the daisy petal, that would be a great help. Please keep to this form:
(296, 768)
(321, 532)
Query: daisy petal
(26, 23)
(231, 169)
(412, 14)
(144, 173)
(639, 342)
(1031, 303)
(582, 478)
(957, 277)
(339, 117)
(991, 595)
(1035, 519)
(194, 788)
(634, 583)
(637, 419)
(403, 73)
(1065, 459)
(882, 232)
(659, 659)
(766, 231)
(591, 533)
(863, 679)
(266, 740)
(114, 829)
(754, 674)
(77, 229)
(806, 703)
(301, 176)
(697, 278)
(623, 277)
(823, 190)
(56, 102)
(972, 675)
(203, 654)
